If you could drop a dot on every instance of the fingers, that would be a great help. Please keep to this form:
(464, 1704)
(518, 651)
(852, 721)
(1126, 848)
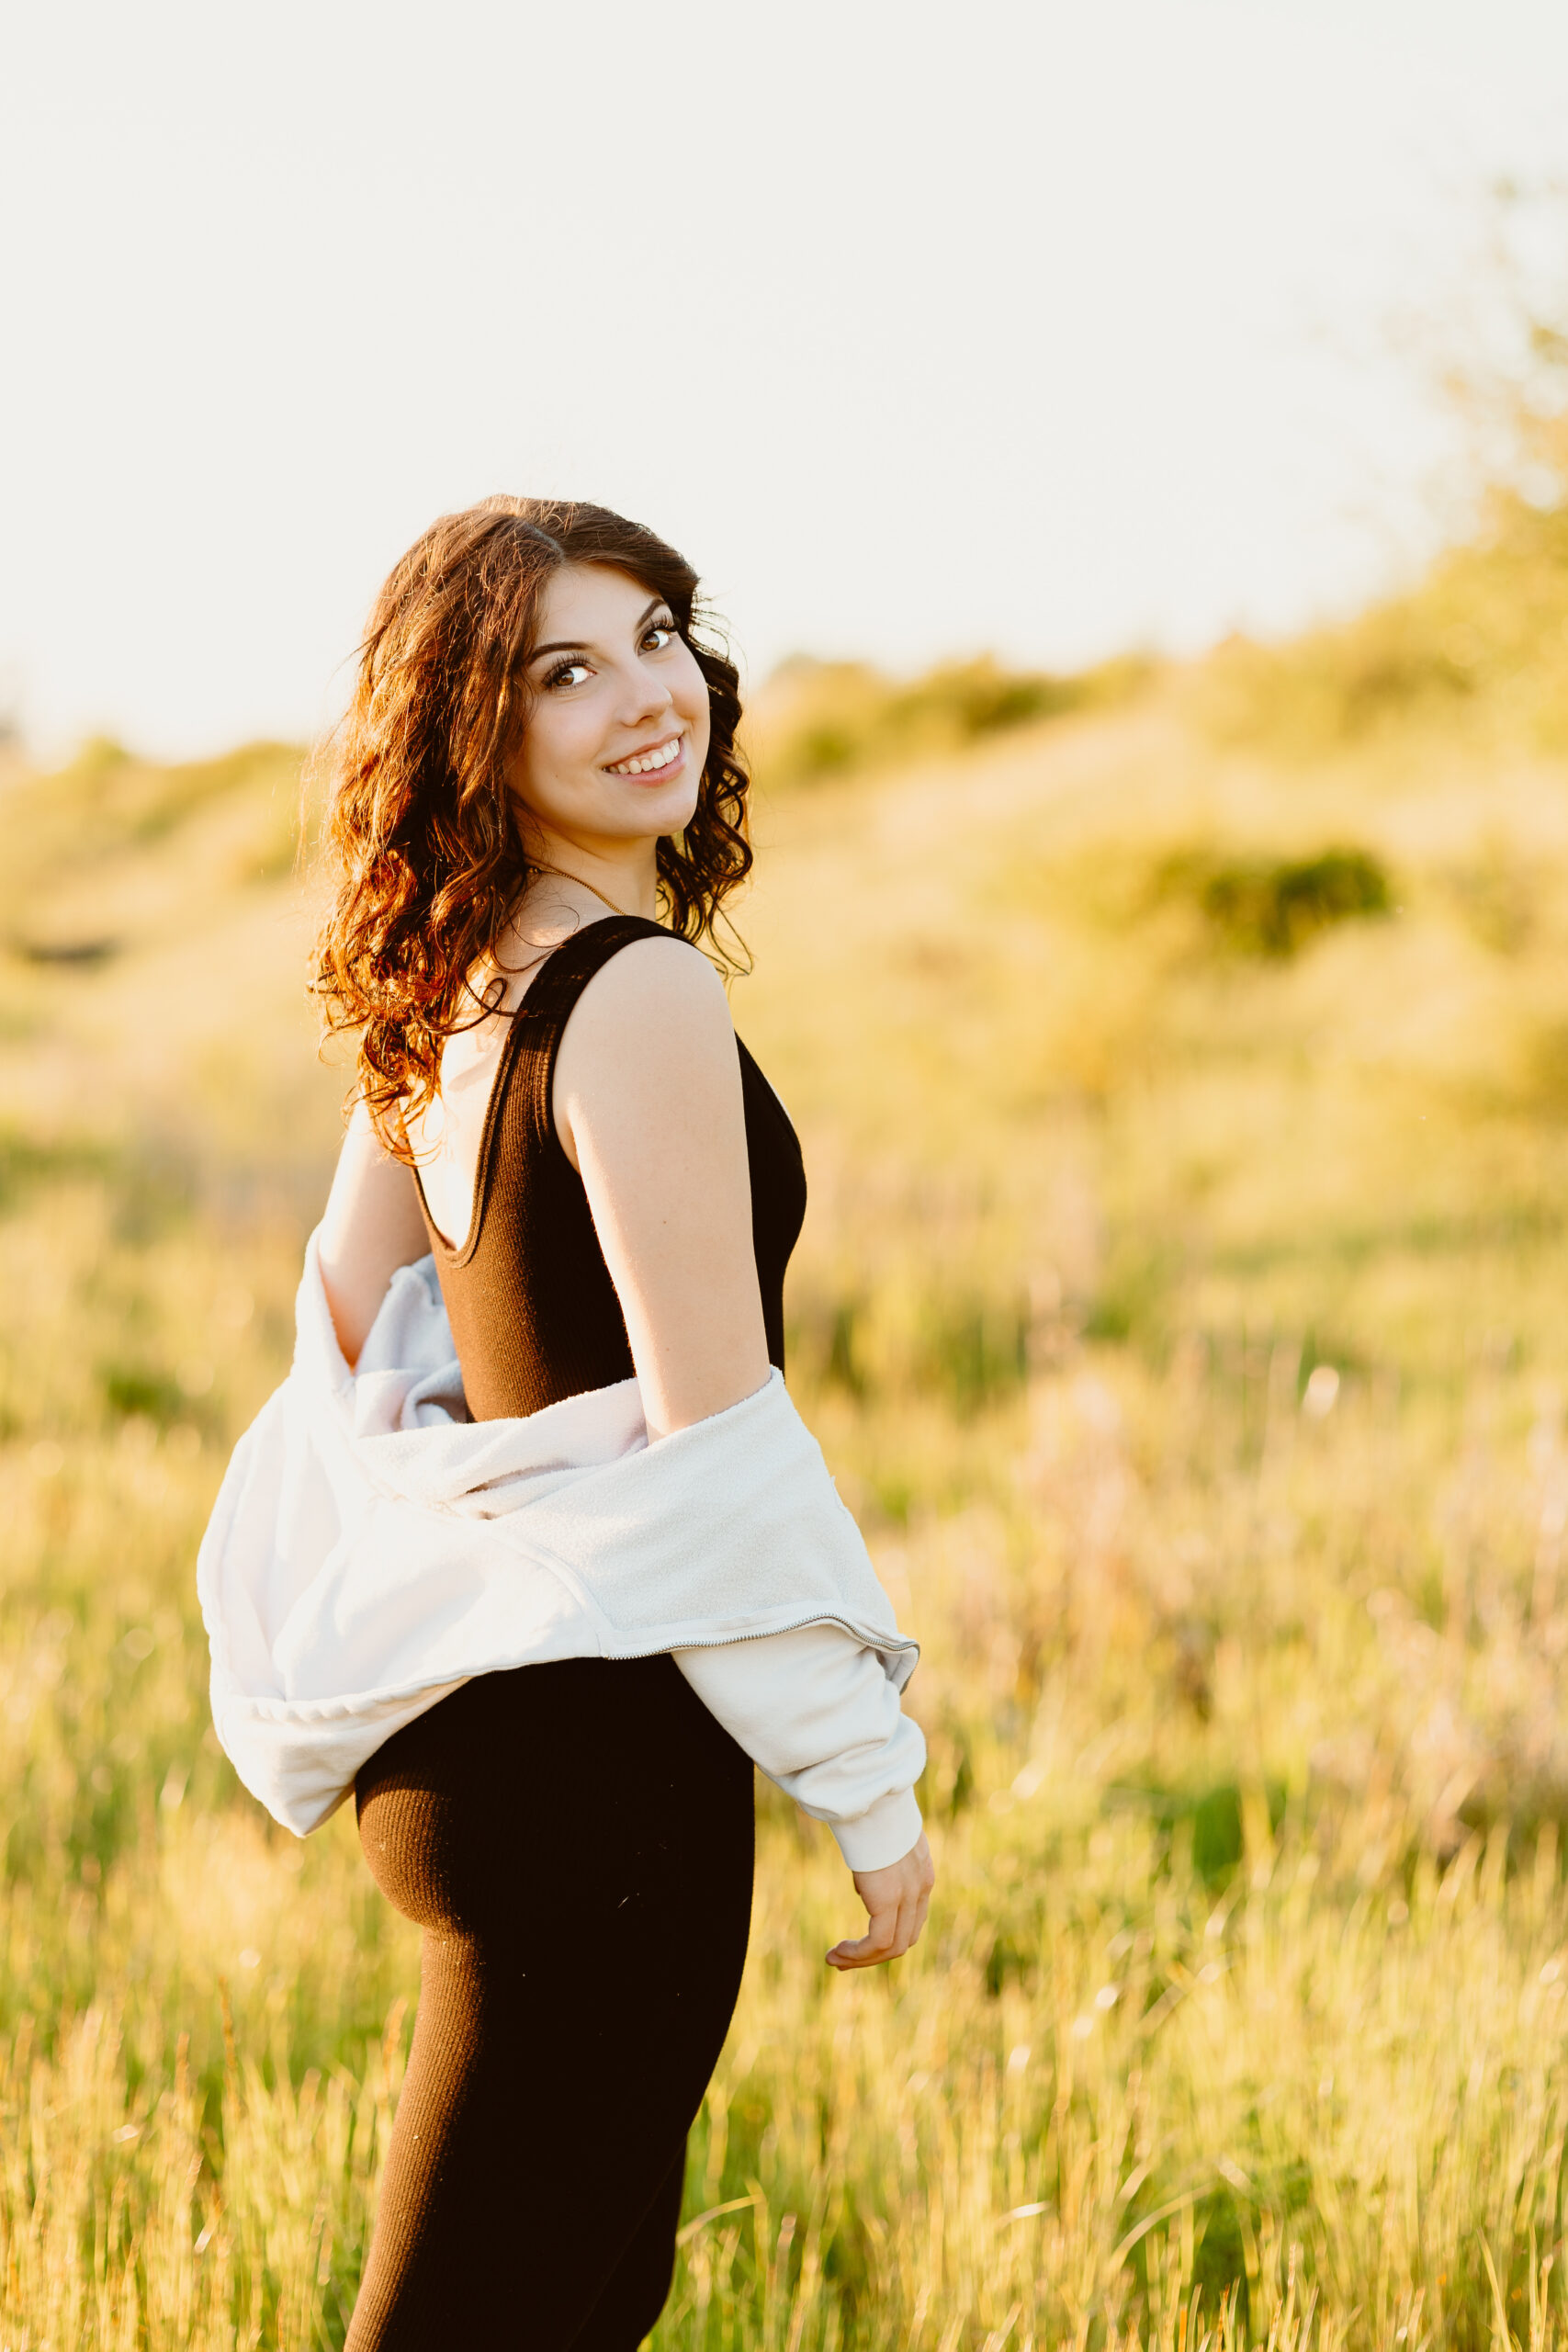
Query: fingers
(879, 1942)
(897, 1899)
(890, 1933)
(925, 1883)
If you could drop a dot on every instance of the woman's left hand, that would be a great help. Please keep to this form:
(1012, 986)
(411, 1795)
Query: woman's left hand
(896, 1899)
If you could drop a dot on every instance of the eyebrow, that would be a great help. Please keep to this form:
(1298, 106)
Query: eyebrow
(582, 645)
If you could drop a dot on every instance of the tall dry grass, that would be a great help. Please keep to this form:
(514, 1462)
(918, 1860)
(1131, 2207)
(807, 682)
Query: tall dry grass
(1181, 1311)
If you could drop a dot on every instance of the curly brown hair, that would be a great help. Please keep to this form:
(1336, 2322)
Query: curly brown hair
(422, 831)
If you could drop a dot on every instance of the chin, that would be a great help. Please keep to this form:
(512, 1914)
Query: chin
(667, 812)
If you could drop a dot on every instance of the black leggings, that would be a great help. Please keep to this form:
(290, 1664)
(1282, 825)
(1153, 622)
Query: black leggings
(576, 1841)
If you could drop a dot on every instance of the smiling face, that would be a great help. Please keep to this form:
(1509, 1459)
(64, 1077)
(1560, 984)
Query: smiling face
(617, 729)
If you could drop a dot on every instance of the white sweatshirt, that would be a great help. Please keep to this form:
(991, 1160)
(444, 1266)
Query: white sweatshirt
(371, 1549)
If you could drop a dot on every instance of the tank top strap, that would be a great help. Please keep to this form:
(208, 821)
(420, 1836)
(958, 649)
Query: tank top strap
(534, 1309)
(520, 1105)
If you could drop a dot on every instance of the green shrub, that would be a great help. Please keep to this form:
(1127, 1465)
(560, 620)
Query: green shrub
(1274, 908)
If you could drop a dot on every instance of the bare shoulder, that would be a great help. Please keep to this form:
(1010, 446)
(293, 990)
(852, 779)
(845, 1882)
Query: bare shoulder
(657, 1005)
(649, 1109)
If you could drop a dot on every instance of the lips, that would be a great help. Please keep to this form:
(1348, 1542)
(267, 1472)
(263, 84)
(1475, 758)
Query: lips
(653, 762)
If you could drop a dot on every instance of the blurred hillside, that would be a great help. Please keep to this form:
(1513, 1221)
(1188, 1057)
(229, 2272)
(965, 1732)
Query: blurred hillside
(1184, 998)
(152, 933)
(1480, 645)
(1181, 1059)
(815, 721)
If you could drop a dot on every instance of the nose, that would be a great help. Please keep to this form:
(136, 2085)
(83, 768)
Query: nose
(645, 697)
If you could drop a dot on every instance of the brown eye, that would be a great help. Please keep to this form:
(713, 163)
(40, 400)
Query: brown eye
(660, 636)
(571, 673)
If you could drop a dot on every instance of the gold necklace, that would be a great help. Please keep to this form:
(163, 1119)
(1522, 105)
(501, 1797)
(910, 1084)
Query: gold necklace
(539, 866)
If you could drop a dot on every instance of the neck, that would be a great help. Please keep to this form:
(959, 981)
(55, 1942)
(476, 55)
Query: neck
(593, 878)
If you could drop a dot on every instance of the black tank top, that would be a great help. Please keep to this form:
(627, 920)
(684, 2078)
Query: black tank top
(533, 1308)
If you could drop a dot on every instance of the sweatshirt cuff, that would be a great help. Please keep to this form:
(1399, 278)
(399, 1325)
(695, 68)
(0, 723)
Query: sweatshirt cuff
(881, 1835)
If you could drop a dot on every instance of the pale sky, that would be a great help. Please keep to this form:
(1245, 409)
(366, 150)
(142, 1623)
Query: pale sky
(920, 329)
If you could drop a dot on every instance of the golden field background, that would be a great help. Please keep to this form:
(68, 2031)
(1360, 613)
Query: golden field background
(1181, 1058)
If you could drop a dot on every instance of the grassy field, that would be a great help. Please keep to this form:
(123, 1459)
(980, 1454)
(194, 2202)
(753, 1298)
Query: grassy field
(1185, 1094)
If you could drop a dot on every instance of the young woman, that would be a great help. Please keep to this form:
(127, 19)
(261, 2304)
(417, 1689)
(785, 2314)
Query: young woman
(539, 761)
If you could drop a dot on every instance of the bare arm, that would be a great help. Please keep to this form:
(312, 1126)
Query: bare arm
(371, 1227)
(648, 1107)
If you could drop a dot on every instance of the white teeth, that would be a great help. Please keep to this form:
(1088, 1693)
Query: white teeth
(650, 759)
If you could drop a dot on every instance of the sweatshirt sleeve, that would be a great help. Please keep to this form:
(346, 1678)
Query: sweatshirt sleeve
(817, 1712)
